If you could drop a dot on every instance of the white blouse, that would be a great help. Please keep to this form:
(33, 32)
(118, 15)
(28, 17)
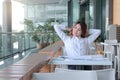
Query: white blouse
(74, 46)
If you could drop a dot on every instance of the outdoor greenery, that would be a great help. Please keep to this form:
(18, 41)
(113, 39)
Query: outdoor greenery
(41, 33)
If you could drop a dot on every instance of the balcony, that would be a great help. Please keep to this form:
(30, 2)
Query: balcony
(24, 58)
(19, 58)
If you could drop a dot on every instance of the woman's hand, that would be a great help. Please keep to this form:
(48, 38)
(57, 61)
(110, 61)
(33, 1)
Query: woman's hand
(69, 29)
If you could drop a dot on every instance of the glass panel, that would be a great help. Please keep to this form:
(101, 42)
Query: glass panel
(31, 11)
(14, 47)
(40, 13)
(91, 11)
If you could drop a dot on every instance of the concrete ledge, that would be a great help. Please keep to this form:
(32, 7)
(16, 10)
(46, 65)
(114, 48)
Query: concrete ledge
(23, 69)
(52, 50)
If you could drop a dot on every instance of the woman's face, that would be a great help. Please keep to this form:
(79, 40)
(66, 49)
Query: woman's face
(77, 30)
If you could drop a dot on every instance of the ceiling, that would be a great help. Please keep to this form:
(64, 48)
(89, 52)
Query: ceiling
(41, 1)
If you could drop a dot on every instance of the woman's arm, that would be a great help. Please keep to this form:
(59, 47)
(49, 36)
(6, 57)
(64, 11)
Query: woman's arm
(59, 30)
(93, 34)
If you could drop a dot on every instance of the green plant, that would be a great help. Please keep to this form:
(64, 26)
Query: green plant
(32, 29)
(41, 33)
(49, 31)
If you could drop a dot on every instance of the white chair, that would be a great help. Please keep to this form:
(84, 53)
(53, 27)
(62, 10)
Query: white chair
(109, 50)
(104, 74)
(113, 53)
(71, 75)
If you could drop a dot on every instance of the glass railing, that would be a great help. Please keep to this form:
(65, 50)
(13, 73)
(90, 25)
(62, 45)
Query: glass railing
(14, 46)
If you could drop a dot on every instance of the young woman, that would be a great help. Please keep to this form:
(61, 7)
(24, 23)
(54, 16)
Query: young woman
(78, 41)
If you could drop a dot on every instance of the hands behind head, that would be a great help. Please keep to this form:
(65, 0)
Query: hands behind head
(69, 29)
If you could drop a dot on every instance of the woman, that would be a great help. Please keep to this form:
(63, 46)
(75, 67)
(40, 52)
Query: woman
(77, 42)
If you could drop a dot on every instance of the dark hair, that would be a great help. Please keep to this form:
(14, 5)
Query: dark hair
(83, 28)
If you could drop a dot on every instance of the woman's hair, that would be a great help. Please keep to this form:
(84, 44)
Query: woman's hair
(83, 28)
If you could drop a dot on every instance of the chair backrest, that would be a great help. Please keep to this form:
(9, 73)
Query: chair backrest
(66, 75)
(109, 50)
(104, 74)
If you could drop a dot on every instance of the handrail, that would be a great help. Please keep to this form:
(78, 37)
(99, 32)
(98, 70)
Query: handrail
(14, 43)
(23, 69)
(52, 50)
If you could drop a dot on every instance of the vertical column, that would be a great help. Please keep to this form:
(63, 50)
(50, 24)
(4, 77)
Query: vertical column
(76, 11)
(7, 27)
(73, 11)
(100, 16)
(110, 13)
(7, 16)
(70, 13)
